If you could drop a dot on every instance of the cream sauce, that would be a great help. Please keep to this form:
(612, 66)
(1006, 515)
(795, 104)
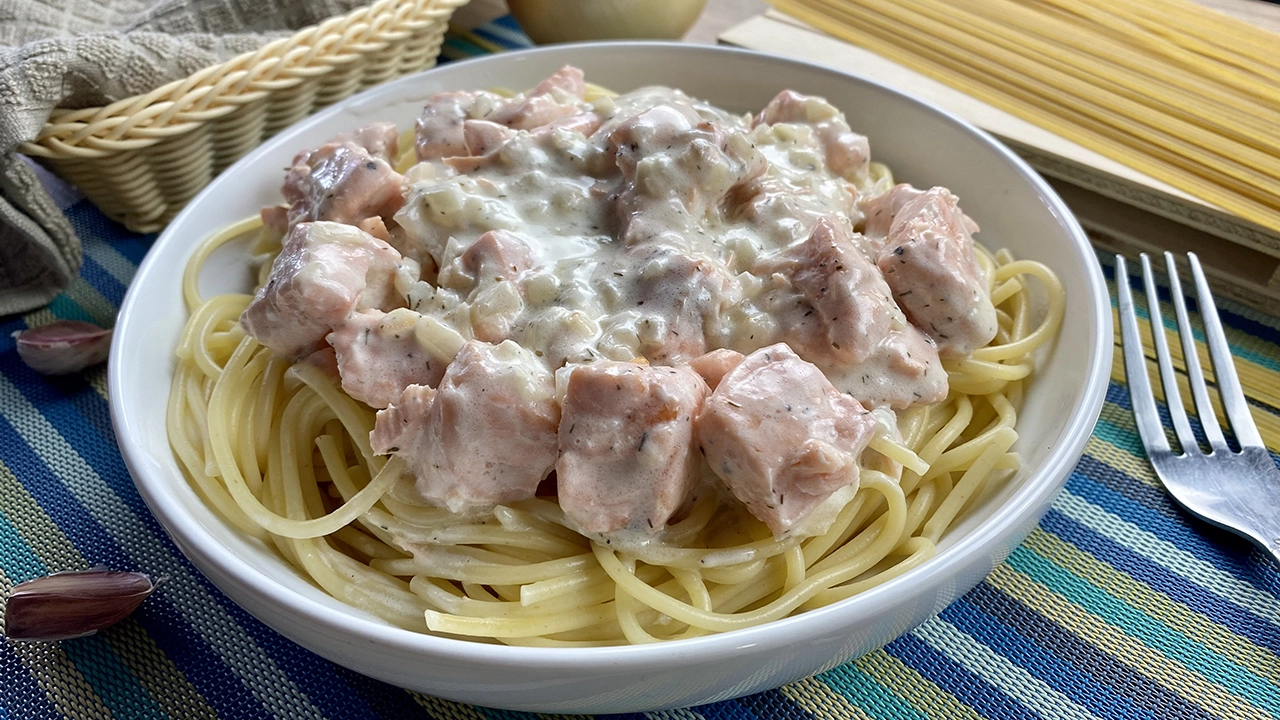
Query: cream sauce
(644, 233)
(542, 233)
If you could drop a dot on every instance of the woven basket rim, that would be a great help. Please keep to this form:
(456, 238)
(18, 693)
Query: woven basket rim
(183, 104)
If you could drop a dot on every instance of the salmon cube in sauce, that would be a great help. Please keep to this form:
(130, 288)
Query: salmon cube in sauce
(322, 272)
(835, 304)
(347, 179)
(926, 254)
(713, 366)
(781, 437)
(627, 461)
(379, 354)
(486, 436)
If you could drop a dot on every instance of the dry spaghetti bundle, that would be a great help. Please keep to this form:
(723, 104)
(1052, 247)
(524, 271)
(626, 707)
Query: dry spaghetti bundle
(1182, 93)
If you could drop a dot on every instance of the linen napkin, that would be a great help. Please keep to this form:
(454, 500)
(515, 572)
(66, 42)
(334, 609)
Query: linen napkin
(87, 53)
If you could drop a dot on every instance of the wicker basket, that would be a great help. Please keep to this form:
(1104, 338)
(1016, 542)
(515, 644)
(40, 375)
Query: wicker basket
(143, 158)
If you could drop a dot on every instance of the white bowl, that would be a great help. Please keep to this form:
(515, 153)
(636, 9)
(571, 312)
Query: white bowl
(922, 144)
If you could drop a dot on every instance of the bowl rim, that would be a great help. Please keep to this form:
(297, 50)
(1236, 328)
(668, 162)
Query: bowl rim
(1036, 493)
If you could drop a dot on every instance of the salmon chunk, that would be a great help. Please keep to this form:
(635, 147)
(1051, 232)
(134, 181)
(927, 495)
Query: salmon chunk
(461, 124)
(781, 437)
(440, 130)
(682, 298)
(568, 80)
(380, 140)
(494, 256)
(834, 303)
(380, 353)
(879, 211)
(713, 366)
(626, 445)
(482, 137)
(348, 179)
(847, 153)
(486, 436)
(487, 275)
(677, 170)
(928, 260)
(399, 428)
(317, 279)
(556, 97)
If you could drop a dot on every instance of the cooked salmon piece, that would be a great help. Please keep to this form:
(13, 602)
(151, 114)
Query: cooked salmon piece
(585, 122)
(376, 227)
(400, 428)
(627, 460)
(486, 436)
(487, 274)
(276, 219)
(495, 255)
(461, 124)
(494, 263)
(534, 112)
(781, 437)
(347, 179)
(681, 298)
(835, 309)
(440, 131)
(557, 97)
(677, 170)
(318, 278)
(379, 354)
(380, 139)
(833, 304)
(713, 366)
(847, 153)
(569, 80)
(879, 210)
(928, 261)
(657, 128)
(481, 137)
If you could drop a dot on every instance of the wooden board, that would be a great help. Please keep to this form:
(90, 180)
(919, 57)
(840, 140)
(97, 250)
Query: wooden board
(1124, 209)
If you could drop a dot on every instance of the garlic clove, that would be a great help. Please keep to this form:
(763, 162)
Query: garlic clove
(74, 604)
(63, 347)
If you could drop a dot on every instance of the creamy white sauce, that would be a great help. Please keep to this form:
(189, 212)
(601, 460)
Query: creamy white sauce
(612, 249)
(650, 227)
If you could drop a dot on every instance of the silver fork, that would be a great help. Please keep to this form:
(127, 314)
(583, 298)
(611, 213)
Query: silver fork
(1237, 491)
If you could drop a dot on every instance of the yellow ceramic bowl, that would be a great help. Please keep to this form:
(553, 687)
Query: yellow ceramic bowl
(553, 21)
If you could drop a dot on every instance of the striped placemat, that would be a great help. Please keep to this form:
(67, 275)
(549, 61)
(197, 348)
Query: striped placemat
(1119, 605)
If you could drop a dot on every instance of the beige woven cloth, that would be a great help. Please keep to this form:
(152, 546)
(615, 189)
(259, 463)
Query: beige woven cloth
(86, 53)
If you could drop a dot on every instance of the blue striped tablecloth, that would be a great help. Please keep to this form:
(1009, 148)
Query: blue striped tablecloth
(1119, 605)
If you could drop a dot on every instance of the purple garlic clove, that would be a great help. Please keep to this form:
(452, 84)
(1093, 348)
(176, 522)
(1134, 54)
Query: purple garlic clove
(73, 604)
(63, 347)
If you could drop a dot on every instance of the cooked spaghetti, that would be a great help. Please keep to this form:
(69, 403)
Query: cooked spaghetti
(652, 470)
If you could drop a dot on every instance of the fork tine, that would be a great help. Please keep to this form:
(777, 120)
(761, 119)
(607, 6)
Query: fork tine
(1135, 367)
(1195, 376)
(1172, 396)
(1224, 369)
